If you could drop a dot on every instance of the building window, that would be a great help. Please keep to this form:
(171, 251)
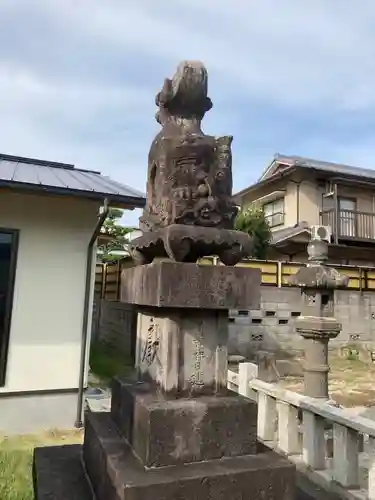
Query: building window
(274, 212)
(8, 260)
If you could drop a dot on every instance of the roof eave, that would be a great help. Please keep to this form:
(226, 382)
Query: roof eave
(359, 179)
(285, 173)
(290, 237)
(114, 200)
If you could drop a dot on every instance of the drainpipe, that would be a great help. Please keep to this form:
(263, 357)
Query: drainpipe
(298, 184)
(336, 213)
(78, 423)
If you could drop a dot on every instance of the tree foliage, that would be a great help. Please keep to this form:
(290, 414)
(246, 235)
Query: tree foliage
(116, 232)
(252, 221)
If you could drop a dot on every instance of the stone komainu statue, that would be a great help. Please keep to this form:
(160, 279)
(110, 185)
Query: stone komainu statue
(189, 212)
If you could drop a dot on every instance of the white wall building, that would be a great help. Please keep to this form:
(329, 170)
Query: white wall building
(49, 215)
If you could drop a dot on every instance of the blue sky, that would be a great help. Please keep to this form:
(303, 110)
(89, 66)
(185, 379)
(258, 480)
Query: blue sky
(78, 79)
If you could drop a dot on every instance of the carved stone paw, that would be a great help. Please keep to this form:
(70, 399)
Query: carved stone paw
(139, 258)
(177, 249)
(232, 256)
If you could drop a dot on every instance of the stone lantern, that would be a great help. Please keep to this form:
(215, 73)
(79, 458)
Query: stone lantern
(317, 323)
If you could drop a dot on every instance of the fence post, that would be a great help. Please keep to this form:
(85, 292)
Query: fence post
(104, 279)
(267, 417)
(279, 274)
(314, 445)
(345, 456)
(288, 429)
(118, 279)
(371, 470)
(246, 372)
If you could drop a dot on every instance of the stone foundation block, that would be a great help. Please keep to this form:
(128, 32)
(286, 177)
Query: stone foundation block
(168, 431)
(58, 474)
(184, 285)
(116, 473)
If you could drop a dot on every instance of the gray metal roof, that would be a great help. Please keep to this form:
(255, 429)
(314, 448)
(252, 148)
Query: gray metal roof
(288, 232)
(62, 178)
(327, 166)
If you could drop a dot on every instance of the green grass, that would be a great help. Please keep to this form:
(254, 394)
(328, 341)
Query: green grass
(107, 362)
(16, 455)
(15, 475)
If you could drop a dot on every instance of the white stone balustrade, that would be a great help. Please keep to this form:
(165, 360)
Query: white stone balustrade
(349, 472)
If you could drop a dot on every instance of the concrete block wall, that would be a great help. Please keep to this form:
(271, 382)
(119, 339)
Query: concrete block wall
(356, 311)
(269, 328)
(115, 324)
(272, 327)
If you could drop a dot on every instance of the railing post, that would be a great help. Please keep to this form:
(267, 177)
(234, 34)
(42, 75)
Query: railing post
(345, 456)
(371, 468)
(314, 446)
(267, 417)
(288, 429)
(246, 372)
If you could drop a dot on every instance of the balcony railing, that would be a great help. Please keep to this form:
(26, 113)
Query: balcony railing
(350, 224)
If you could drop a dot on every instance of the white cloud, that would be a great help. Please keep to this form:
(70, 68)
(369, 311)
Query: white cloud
(287, 51)
(78, 79)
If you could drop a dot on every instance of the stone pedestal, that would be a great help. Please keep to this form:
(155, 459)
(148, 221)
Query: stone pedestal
(317, 324)
(163, 337)
(317, 332)
(182, 331)
(175, 430)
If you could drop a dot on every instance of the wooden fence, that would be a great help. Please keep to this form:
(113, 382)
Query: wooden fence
(274, 273)
(108, 279)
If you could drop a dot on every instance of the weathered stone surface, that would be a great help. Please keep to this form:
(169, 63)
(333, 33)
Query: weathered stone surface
(49, 482)
(167, 431)
(157, 444)
(63, 458)
(317, 327)
(317, 324)
(172, 284)
(317, 275)
(183, 243)
(189, 181)
(185, 354)
(117, 474)
(189, 173)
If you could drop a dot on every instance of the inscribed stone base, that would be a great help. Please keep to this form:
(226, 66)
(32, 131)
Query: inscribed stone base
(116, 474)
(170, 431)
(183, 351)
(183, 285)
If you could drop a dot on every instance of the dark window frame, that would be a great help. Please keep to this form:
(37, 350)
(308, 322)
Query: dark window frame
(281, 214)
(4, 344)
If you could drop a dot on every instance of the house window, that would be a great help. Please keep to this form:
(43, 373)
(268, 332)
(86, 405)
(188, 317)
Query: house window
(347, 214)
(8, 259)
(274, 212)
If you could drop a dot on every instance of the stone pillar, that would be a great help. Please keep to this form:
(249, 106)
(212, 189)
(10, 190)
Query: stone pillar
(317, 323)
(175, 431)
(177, 415)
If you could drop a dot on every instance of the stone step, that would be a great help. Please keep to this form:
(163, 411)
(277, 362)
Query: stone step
(114, 470)
(58, 474)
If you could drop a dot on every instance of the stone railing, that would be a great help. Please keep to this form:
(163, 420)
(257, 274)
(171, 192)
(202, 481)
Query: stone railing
(300, 427)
